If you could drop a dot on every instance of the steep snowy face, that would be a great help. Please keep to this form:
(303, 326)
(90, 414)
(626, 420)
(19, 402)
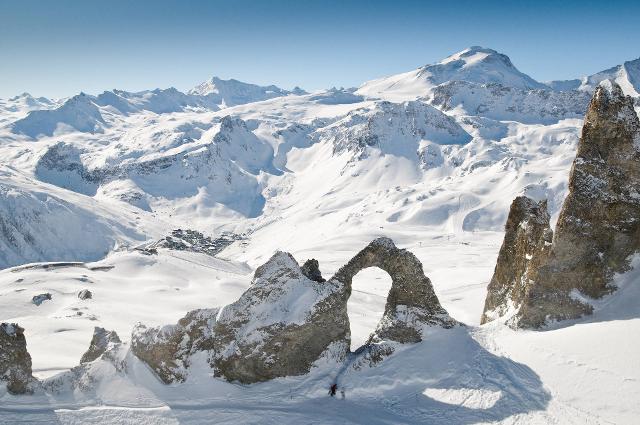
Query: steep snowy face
(222, 167)
(501, 102)
(392, 128)
(233, 92)
(475, 64)
(39, 225)
(627, 76)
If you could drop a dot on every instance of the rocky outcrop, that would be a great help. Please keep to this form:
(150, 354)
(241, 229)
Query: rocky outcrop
(281, 325)
(527, 243)
(311, 269)
(599, 224)
(411, 304)
(290, 317)
(15, 361)
(166, 350)
(101, 341)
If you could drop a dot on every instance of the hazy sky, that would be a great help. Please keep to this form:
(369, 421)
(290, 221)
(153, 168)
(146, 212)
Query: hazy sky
(58, 48)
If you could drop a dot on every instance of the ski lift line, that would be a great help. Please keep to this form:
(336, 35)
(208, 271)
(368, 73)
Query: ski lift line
(209, 267)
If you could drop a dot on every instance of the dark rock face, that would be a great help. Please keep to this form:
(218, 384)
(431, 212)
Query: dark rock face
(527, 242)
(101, 341)
(599, 224)
(281, 325)
(15, 361)
(311, 269)
(85, 294)
(411, 303)
(166, 350)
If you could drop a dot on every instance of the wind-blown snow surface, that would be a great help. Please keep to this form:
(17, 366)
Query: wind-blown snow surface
(431, 158)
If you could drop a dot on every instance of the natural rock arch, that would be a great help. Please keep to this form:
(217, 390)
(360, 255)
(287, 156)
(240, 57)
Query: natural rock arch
(411, 303)
(290, 317)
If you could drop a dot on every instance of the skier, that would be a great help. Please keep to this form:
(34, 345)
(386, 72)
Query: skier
(342, 395)
(333, 389)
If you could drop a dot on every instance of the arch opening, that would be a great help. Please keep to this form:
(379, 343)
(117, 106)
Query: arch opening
(365, 307)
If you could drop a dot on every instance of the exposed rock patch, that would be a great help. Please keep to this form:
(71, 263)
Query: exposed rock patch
(101, 341)
(15, 361)
(40, 298)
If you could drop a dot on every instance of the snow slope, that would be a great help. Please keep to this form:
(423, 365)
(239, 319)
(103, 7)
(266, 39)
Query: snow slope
(431, 158)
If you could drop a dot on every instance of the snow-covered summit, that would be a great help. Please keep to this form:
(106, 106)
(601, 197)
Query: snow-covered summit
(233, 92)
(475, 64)
(626, 75)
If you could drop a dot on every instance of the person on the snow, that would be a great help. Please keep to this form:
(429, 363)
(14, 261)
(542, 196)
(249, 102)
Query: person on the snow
(333, 389)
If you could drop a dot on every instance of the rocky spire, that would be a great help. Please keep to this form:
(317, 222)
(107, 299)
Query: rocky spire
(527, 242)
(599, 224)
(15, 361)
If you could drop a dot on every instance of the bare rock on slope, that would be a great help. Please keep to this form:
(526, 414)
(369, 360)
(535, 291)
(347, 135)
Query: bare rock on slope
(15, 361)
(599, 224)
(101, 341)
(167, 350)
(527, 242)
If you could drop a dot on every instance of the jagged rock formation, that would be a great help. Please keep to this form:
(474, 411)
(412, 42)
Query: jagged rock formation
(281, 325)
(311, 269)
(15, 361)
(101, 341)
(527, 242)
(411, 303)
(166, 350)
(599, 225)
(290, 317)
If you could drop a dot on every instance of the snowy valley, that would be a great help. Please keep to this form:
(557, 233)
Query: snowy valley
(175, 210)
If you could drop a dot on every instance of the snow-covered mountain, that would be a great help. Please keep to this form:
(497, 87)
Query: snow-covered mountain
(475, 65)
(431, 158)
(233, 92)
(627, 76)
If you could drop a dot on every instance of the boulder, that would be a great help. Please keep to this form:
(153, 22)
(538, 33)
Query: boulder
(527, 243)
(101, 341)
(15, 361)
(85, 294)
(40, 298)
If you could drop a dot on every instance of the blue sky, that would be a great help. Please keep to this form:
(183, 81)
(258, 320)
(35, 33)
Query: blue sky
(58, 48)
